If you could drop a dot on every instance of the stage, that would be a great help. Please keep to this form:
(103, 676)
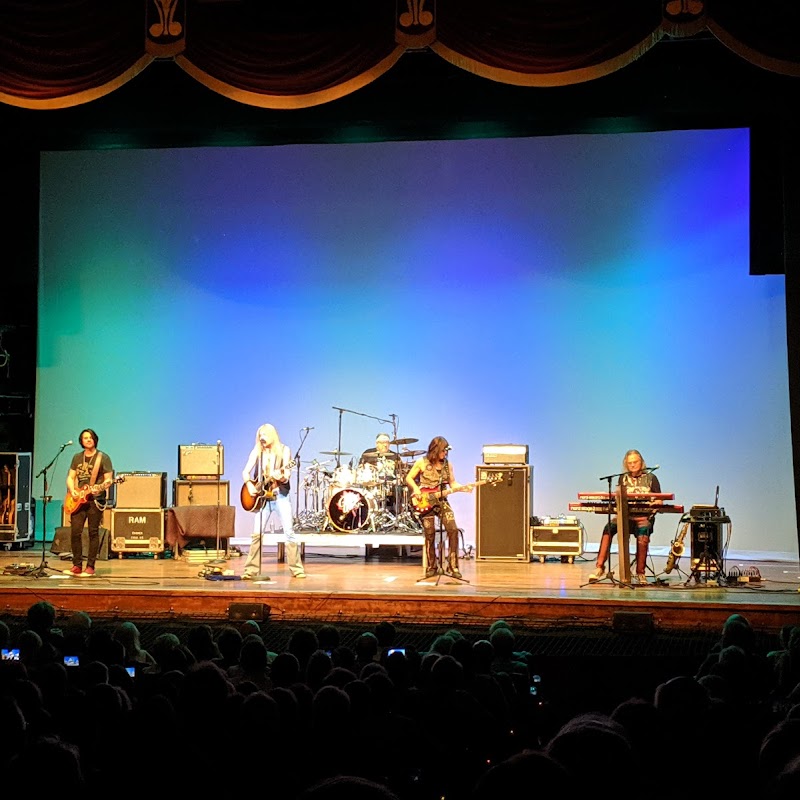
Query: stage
(358, 585)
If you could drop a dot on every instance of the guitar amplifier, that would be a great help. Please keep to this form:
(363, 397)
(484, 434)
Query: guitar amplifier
(505, 454)
(200, 493)
(137, 530)
(200, 460)
(142, 490)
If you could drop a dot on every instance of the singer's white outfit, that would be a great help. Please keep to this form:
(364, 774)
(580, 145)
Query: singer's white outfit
(268, 461)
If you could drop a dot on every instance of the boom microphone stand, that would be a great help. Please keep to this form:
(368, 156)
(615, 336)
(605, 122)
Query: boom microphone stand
(219, 476)
(609, 576)
(41, 570)
(439, 541)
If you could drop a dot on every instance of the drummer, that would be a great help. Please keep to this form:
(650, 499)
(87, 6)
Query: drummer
(379, 462)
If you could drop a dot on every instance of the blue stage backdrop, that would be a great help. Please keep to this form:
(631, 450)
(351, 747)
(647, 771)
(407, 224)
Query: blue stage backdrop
(579, 294)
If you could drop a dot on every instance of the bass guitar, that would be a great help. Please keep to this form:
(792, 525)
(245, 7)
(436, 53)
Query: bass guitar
(254, 495)
(85, 494)
(426, 502)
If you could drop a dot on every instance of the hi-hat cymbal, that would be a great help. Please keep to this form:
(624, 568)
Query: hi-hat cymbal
(412, 453)
(407, 440)
(334, 453)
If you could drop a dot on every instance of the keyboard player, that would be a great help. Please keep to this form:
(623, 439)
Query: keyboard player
(637, 480)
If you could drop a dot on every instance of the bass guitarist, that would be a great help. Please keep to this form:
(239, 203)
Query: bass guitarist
(89, 468)
(430, 480)
(266, 489)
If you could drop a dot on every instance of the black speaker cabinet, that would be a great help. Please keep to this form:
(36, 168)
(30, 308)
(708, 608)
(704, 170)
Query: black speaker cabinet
(503, 512)
(62, 543)
(16, 506)
(142, 490)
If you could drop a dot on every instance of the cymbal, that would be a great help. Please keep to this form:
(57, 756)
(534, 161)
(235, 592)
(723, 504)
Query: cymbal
(408, 440)
(412, 453)
(334, 453)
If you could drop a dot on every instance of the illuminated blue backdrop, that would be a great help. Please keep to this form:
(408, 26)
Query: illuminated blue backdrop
(579, 294)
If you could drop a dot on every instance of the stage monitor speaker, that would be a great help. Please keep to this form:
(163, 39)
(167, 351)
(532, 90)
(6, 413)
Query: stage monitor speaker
(242, 611)
(503, 512)
(632, 622)
(142, 490)
(62, 543)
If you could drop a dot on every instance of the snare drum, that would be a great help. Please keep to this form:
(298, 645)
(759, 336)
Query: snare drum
(366, 474)
(343, 476)
(350, 509)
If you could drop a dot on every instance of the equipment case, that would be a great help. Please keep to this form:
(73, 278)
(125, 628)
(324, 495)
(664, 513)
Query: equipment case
(16, 505)
(557, 540)
(137, 530)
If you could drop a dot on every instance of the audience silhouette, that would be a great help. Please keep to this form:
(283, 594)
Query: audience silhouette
(465, 719)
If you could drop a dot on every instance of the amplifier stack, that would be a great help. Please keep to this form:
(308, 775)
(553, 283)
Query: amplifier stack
(137, 522)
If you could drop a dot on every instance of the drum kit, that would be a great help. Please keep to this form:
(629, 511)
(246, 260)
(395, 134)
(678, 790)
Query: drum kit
(369, 497)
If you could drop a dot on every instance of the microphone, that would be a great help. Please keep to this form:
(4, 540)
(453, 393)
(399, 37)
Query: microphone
(309, 429)
(653, 469)
(66, 444)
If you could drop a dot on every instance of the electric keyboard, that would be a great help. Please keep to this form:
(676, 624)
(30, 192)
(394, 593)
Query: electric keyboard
(634, 507)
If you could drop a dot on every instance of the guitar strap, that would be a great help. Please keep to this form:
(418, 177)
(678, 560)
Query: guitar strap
(96, 468)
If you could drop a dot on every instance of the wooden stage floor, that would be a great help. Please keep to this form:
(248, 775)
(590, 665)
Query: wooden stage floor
(387, 585)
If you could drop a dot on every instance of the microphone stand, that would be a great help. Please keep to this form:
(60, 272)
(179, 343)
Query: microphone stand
(609, 576)
(41, 570)
(360, 414)
(440, 529)
(304, 436)
(219, 476)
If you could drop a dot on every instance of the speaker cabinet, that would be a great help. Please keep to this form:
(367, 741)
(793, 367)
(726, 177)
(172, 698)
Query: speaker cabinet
(62, 543)
(16, 505)
(200, 493)
(142, 490)
(503, 512)
(104, 523)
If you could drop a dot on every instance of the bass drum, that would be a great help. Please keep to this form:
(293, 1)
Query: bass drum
(350, 509)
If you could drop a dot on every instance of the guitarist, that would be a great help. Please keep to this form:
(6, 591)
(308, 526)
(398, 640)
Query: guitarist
(89, 468)
(267, 472)
(433, 474)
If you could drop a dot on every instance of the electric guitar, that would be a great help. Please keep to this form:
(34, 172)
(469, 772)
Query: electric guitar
(425, 503)
(256, 494)
(85, 494)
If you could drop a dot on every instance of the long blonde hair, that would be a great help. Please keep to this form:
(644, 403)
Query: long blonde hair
(268, 433)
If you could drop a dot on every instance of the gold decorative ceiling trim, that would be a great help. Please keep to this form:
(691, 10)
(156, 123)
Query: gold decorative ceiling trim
(276, 101)
(547, 79)
(54, 101)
